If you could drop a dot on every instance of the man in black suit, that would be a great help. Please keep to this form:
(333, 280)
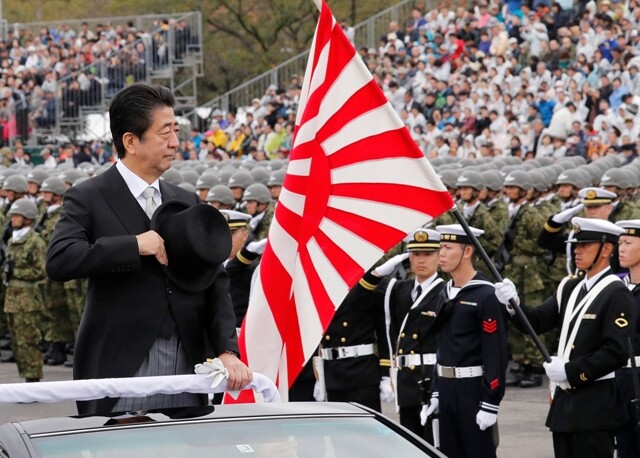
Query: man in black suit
(136, 313)
(596, 317)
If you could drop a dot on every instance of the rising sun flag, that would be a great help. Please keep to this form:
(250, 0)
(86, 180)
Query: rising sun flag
(356, 185)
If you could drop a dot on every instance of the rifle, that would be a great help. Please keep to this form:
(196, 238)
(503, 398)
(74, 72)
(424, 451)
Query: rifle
(503, 255)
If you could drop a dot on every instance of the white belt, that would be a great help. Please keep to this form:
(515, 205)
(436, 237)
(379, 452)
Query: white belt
(428, 359)
(637, 358)
(460, 372)
(346, 352)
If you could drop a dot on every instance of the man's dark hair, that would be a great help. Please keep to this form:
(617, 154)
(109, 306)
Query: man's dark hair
(131, 111)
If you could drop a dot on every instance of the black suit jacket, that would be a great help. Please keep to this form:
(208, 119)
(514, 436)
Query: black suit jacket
(600, 347)
(129, 296)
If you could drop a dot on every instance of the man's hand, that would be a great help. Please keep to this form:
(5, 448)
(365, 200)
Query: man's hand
(390, 265)
(428, 410)
(151, 244)
(386, 392)
(257, 247)
(505, 291)
(555, 370)
(566, 215)
(239, 374)
(486, 420)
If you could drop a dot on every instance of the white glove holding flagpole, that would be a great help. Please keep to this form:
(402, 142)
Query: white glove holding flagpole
(566, 215)
(505, 291)
(389, 266)
(556, 372)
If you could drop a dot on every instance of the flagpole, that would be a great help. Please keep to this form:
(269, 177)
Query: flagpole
(516, 306)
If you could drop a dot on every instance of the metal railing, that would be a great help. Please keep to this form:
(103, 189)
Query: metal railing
(367, 33)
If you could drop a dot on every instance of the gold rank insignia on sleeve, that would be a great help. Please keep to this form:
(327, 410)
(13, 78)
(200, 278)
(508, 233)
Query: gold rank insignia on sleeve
(583, 377)
(621, 322)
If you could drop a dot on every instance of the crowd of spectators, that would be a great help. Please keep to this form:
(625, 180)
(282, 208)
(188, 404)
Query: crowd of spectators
(533, 79)
(52, 72)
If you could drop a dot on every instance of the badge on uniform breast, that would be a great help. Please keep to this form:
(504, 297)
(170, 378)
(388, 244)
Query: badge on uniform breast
(429, 313)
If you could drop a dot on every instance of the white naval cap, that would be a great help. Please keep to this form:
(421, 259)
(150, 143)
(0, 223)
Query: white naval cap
(236, 219)
(456, 234)
(587, 230)
(593, 197)
(424, 240)
(630, 226)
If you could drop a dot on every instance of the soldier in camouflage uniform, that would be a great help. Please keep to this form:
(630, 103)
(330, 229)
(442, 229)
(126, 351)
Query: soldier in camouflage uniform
(450, 179)
(58, 326)
(524, 267)
(491, 196)
(23, 273)
(260, 206)
(618, 181)
(34, 182)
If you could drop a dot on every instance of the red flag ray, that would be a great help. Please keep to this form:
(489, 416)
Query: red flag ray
(355, 186)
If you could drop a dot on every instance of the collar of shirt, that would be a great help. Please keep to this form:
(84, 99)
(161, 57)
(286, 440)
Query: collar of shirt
(137, 185)
(589, 282)
(425, 284)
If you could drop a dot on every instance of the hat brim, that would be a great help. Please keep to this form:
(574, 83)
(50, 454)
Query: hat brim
(193, 280)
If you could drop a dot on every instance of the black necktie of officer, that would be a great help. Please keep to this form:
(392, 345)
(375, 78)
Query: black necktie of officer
(582, 293)
(418, 292)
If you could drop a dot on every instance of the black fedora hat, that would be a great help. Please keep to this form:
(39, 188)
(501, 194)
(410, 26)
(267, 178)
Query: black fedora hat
(197, 239)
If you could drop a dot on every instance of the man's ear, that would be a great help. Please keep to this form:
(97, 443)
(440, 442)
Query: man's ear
(128, 141)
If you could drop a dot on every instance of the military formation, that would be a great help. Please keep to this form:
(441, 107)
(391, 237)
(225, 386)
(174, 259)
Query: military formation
(408, 332)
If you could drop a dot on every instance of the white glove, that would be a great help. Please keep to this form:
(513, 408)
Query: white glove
(214, 370)
(429, 410)
(257, 247)
(555, 370)
(389, 266)
(506, 290)
(485, 419)
(318, 393)
(566, 215)
(386, 392)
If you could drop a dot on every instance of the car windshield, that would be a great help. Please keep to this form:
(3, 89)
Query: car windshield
(274, 437)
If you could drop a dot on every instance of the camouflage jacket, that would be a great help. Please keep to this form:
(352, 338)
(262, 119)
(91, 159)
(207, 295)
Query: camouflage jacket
(493, 234)
(47, 223)
(624, 211)
(500, 214)
(27, 259)
(262, 229)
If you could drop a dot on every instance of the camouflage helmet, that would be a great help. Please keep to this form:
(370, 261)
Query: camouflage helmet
(71, 175)
(275, 164)
(572, 177)
(277, 178)
(80, 181)
(257, 192)
(634, 175)
(24, 207)
(260, 175)
(586, 175)
(240, 179)
(539, 181)
(172, 176)
(471, 179)
(37, 176)
(54, 185)
(449, 177)
(220, 193)
(518, 178)
(15, 183)
(187, 186)
(492, 179)
(207, 181)
(189, 176)
(615, 177)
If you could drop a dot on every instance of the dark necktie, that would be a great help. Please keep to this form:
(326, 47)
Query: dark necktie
(582, 293)
(418, 292)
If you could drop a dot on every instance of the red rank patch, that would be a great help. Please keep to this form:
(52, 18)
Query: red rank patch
(494, 384)
(490, 326)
